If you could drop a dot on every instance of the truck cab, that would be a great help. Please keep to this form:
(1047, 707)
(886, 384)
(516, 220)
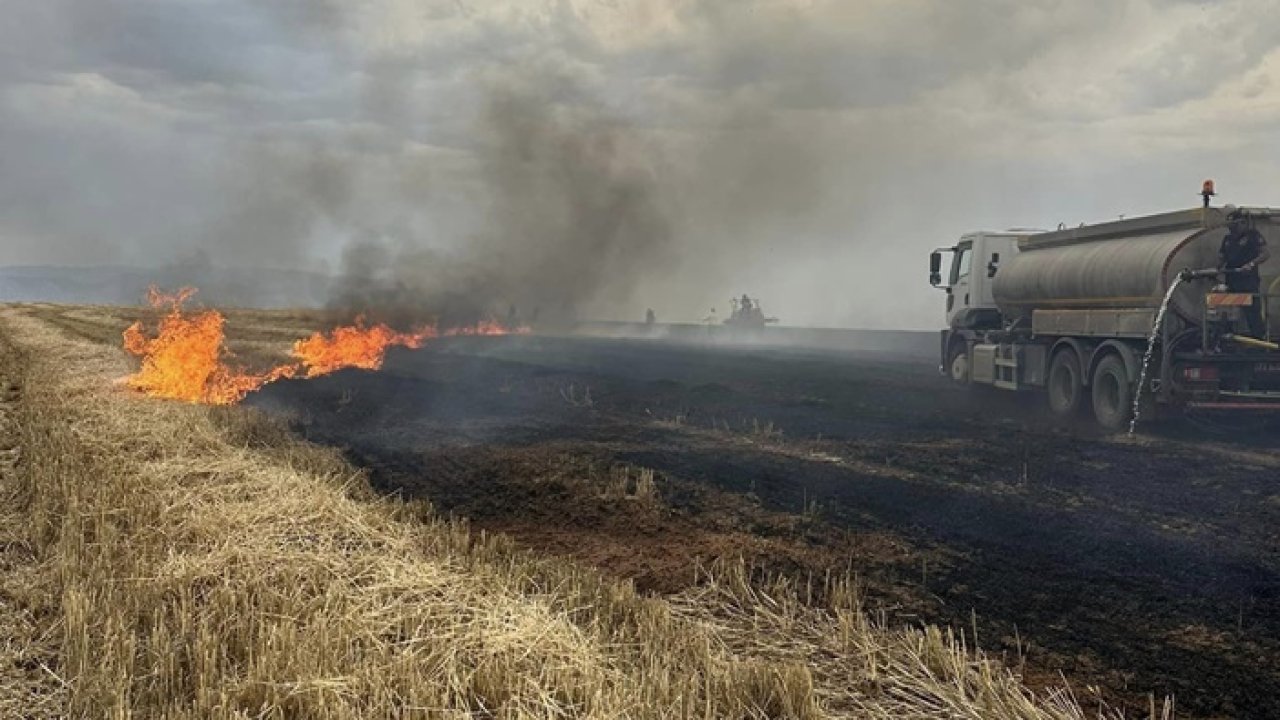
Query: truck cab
(975, 260)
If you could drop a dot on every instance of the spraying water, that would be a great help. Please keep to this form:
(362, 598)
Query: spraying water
(1146, 358)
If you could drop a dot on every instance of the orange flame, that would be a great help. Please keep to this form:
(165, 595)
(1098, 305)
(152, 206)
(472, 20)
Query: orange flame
(186, 360)
(354, 346)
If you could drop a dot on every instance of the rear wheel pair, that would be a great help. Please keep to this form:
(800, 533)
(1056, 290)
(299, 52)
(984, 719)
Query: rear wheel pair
(1110, 393)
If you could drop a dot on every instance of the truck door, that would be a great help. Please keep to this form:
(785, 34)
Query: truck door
(959, 284)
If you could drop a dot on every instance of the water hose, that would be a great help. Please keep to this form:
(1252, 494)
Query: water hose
(1251, 341)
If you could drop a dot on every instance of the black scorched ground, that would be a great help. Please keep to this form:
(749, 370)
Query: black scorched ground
(1139, 566)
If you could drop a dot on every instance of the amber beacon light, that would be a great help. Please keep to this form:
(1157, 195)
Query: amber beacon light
(1206, 191)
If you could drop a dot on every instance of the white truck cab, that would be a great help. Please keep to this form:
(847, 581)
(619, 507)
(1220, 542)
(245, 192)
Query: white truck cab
(975, 260)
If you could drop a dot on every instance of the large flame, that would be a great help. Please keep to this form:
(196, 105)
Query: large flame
(186, 360)
(187, 357)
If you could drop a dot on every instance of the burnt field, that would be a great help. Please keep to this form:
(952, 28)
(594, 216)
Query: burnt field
(1136, 567)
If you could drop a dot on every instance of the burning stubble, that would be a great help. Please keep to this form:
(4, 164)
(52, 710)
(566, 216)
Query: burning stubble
(186, 358)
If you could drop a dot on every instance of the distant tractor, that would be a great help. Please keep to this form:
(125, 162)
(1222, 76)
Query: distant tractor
(747, 313)
(1072, 314)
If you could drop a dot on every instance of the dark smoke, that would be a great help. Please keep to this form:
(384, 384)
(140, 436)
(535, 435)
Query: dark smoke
(574, 216)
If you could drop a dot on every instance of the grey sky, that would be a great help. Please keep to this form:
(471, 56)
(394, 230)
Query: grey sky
(807, 151)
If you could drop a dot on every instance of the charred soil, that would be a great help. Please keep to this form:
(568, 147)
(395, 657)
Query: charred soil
(1139, 567)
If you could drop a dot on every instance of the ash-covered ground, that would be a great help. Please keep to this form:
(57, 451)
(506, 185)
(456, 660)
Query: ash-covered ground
(1139, 566)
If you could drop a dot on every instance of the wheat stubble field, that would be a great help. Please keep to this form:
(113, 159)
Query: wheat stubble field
(172, 560)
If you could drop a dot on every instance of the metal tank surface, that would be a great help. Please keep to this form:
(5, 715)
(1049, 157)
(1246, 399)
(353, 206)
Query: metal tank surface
(1126, 264)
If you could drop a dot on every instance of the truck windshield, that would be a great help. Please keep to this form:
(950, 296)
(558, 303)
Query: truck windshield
(960, 264)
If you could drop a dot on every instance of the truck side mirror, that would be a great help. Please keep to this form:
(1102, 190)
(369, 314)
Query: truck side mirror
(993, 265)
(935, 268)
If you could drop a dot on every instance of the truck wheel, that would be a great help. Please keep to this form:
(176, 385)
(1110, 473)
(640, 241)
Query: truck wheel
(1066, 388)
(958, 363)
(1112, 393)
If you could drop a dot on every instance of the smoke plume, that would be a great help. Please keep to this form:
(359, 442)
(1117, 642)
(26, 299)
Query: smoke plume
(572, 210)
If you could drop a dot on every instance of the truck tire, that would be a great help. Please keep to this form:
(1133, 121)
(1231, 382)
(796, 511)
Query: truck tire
(1066, 384)
(958, 363)
(1112, 393)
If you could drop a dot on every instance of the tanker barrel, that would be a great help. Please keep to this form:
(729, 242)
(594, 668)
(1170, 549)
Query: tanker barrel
(1128, 265)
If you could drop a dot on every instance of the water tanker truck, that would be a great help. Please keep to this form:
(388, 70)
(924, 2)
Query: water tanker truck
(1069, 314)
